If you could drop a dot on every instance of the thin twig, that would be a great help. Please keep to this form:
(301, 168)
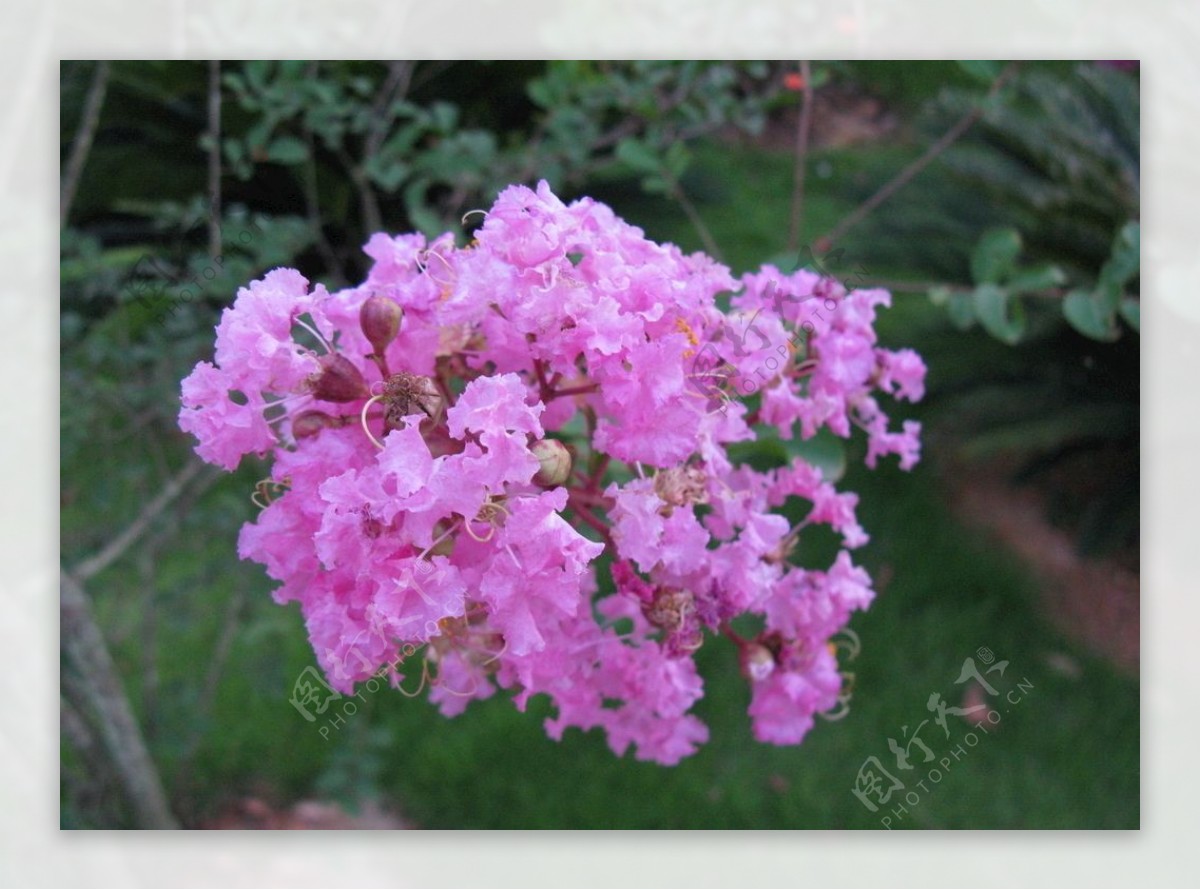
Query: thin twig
(801, 166)
(398, 78)
(224, 646)
(595, 522)
(312, 209)
(429, 71)
(116, 548)
(693, 215)
(212, 681)
(312, 200)
(214, 159)
(922, 287)
(906, 175)
(369, 204)
(395, 87)
(149, 641)
(83, 140)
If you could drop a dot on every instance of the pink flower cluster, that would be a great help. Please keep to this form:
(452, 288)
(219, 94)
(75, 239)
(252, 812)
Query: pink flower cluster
(455, 442)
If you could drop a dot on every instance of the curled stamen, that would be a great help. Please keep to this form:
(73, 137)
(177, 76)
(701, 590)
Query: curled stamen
(492, 506)
(470, 213)
(487, 515)
(435, 680)
(843, 700)
(265, 490)
(424, 679)
(363, 419)
(495, 655)
(491, 533)
(842, 709)
(428, 252)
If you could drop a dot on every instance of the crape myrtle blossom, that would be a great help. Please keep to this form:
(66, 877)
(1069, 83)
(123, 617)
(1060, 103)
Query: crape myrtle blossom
(455, 443)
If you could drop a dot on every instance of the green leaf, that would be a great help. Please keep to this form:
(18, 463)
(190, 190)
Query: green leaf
(994, 257)
(1001, 315)
(961, 310)
(419, 212)
(1131, 311)
(981, 70)
(1124, 263)
(1037, 278)
(387, 174)
(287, 150)
(539, 93)
(825, 451)
(444, 116)
(638, 156)
(1126, 257)
(678, 158)
(656, 185)
(1085, 313)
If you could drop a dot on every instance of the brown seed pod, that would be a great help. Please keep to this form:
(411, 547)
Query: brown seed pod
(338, 380)
(405, 394)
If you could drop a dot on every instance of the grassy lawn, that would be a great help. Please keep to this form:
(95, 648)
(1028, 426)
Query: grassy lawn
(1064, 755)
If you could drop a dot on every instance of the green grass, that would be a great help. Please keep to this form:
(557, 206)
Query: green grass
(1065, 756)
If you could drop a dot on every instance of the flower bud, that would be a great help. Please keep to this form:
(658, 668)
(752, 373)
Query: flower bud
(338, 380)
(555, 461)
(380, 320)
(309, 423)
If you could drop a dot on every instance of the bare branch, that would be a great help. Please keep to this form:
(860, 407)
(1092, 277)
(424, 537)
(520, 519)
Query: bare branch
(83, 140)
(88, 658)
(906, 175)
(214, 158)
(212, 679)
(693, 215)
(801, 165)
(394, 87)
(116, 548)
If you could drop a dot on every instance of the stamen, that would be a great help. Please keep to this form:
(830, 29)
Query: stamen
(363, 419)
(843, 700)
(428, 252)
(491, 533)
(298, 320)
(424, 679)
(439, 539)
(265, 490)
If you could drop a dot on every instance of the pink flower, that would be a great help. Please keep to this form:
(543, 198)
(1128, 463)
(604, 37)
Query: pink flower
(406, 514)
(783, 705)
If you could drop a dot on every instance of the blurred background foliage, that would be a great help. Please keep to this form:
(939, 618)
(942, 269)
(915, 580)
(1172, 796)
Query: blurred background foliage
(1007, 230)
